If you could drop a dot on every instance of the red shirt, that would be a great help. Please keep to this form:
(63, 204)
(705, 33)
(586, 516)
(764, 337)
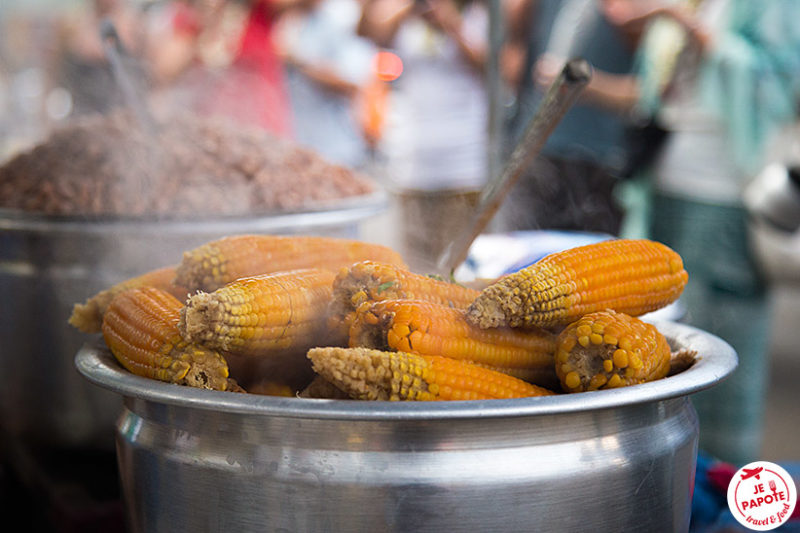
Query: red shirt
(252, 90)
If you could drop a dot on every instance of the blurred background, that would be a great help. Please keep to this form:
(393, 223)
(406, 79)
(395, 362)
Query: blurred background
(688, 134)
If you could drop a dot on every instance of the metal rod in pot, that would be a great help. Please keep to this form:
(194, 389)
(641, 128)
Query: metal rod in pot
(115, 53)
(559, 98)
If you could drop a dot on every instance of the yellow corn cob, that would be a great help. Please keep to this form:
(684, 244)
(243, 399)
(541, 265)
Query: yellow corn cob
(427, 328)
(607, 349)
(140, 328)
(219, 262)
(261, 315)
(627, 275)
(88, 316)
(367, 374)
(375, 281)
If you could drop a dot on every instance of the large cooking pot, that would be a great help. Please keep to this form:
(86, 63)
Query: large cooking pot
(47, 264)
(616, 460)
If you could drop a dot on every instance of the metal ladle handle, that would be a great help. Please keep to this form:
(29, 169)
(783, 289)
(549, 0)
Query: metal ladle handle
(115, 52)
(572, 79)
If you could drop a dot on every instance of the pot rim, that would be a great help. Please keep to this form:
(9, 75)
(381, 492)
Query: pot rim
(342, 211)
(716, 361)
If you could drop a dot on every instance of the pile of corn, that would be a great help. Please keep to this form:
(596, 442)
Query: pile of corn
(334, 318)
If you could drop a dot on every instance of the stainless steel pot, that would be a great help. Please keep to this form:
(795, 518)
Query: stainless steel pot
(617, 460)
(47, 264)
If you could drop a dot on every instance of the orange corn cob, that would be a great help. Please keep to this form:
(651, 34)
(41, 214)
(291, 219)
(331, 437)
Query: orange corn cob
(261, 315)
(88, 316)
(427, 328)
(374, 281)
(367, 374)
(140, 328)
(630, 276)
(607, 349)
(219, 262)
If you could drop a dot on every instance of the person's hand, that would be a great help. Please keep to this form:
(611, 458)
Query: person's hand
(632, 15)
(686, 17)
(546, 70)
(627, 12)
(442, 14)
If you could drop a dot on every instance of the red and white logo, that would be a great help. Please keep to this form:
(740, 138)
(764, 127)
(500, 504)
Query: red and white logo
(762, 496)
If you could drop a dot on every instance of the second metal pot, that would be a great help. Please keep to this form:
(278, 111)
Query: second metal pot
(48, 264)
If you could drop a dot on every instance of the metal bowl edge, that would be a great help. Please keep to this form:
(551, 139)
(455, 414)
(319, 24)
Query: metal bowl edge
(716, 361)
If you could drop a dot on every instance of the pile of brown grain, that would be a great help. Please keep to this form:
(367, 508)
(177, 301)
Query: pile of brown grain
(106, 165)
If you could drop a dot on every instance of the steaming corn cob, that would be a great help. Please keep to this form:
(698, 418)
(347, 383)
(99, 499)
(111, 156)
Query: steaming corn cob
(367, 374)
(140, 328)
(216, 263)
(630, 276)
(427, 328)
(607, 349)
(375, 281)
(88, 316)
(261, 315)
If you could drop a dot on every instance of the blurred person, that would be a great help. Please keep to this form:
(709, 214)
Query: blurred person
(433, 147)
(738, 84)
(571, 185)
(220, 57)
(721, 76)
(436, 133)
(328, 66)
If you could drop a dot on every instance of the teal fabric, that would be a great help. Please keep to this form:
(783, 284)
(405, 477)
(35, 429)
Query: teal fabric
(750, 77)
(726, 296)
(750, 80)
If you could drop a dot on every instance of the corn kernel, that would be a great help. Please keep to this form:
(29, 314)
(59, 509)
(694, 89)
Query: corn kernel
(620, 358)
(597, 381)
(572, 380)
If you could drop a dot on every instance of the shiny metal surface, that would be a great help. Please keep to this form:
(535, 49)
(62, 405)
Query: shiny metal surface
(619, 460)
(773, 196)
(47, 264)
